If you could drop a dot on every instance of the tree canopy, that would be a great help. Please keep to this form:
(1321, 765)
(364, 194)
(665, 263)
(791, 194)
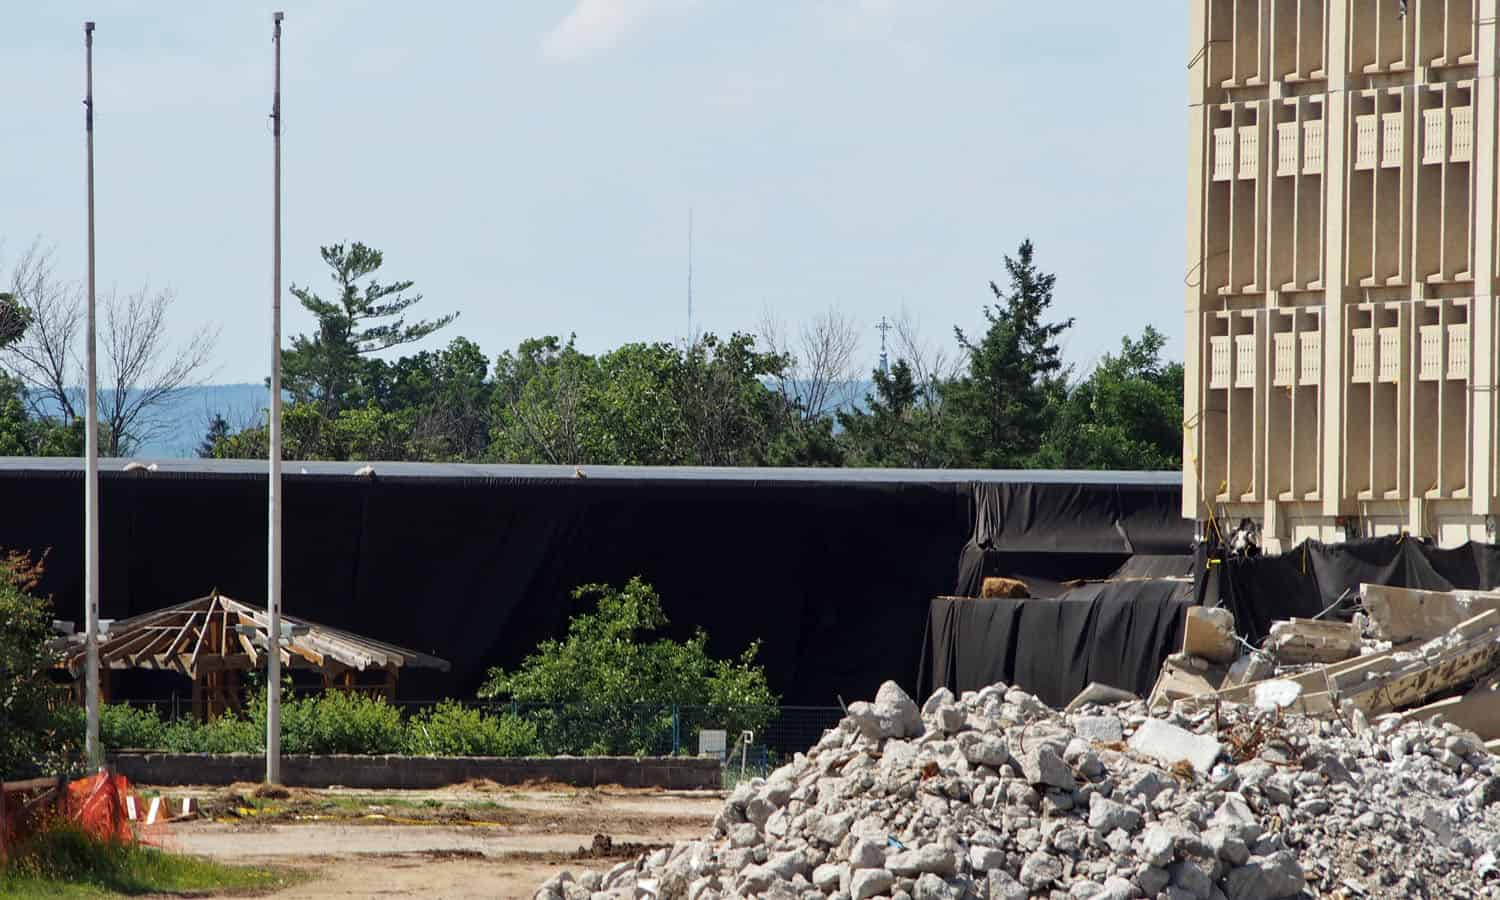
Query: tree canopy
(329, 367)
(1000, 398)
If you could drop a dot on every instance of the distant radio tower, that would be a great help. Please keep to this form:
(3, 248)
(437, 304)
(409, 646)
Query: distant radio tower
(690, 274)
(885, 363)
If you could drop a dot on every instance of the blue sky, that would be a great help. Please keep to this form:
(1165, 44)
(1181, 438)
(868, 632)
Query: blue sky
(531, 165)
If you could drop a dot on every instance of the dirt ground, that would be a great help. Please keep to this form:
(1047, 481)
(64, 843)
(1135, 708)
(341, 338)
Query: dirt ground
(476, 840)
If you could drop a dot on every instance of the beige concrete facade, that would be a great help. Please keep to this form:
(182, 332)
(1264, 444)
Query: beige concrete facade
(1341, 268)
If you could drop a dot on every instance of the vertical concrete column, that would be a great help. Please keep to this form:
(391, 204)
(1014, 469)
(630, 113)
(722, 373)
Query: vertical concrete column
(1192, 398)
(1482, 374)
(1336, 149)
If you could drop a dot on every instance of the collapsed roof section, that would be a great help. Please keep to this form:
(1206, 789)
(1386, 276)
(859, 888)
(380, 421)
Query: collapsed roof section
(217, 633)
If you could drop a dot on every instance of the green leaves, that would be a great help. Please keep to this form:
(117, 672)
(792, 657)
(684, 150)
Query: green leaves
(1126, 415)
(1003, 402)
(610, 686)
(1001, 409)
(328, 368)
(705, 404)
(38, 733)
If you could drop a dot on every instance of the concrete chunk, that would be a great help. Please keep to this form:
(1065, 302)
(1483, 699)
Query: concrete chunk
(1168, 744)
(1209, 633)
(1100, 695)
(1301, 641)
(1403, 614)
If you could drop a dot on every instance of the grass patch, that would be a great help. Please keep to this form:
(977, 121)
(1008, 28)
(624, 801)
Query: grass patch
(63, 861)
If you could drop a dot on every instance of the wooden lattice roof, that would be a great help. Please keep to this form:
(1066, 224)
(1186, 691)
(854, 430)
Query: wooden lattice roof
(205, 635)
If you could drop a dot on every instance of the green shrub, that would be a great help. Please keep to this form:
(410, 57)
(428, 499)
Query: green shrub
(124, 727)
(452, 729)
(226, 734)
(39, 731)
(609, 687)
(339, 722)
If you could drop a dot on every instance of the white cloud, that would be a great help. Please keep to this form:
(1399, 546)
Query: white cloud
(595, 25)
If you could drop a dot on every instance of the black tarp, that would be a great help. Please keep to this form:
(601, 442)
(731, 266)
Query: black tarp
(831, 571)
(1115, 633)
(1313, 576)
(1046, 535)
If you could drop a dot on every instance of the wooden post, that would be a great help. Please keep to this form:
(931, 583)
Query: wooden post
(2, 820)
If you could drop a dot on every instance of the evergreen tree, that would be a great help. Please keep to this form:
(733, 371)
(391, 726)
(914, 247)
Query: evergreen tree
(329, 368)
(897, 429)
(13, 319)
(218, 433)
(1003, 407)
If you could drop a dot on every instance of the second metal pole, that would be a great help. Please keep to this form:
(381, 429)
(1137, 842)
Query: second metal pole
(92, 749)
(273, 575)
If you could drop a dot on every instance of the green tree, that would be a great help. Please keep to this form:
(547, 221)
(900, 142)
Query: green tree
(706, 404)
(22, 433)
(449, 395)
(1004, 405)
(13, 319)
(218, 433)
(1126, 415)
(897, 428)
(37, 735)
(330, 368)
(610, 685)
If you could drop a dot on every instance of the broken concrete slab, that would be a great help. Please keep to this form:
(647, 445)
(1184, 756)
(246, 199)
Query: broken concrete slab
(1248, 669)
(1277, 693)
(1469, 649)
(1302, 641)
(1477, 711)
(1179, 682)
(1209, 633)
(1100, 695)
(1168, 744)
(1405, 614)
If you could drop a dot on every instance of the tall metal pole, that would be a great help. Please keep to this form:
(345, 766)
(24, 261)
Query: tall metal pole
(273, 577)
(91, 453)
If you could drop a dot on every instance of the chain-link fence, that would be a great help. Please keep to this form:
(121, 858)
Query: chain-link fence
(756, 739)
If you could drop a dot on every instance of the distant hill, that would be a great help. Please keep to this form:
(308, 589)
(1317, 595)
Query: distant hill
(185, 421)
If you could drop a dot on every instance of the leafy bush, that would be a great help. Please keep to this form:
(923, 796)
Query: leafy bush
(226, 734)
(124, 727)
(452, 729)
(38, 735)
(607, 689)
(336, 722)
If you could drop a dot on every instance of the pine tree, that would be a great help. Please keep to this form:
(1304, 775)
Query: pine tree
(218, 432)
(1001, 410)
(328, 367)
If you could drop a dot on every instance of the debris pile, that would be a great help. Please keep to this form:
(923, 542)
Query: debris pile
(1411, 655)
(995, 795)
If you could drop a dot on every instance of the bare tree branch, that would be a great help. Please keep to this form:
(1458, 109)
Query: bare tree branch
(932, 365)
(822, 374)
(142, 372)
(44, 357)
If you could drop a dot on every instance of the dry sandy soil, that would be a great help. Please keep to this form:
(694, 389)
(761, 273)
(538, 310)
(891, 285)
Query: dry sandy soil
(477, 840)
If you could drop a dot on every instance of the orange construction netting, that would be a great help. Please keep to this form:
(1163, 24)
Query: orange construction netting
(100, 804)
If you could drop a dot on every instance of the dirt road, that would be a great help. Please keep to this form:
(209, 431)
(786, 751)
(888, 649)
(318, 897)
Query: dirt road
(472, 841)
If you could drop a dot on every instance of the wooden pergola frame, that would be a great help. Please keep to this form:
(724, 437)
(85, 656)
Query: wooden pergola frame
(207, 640)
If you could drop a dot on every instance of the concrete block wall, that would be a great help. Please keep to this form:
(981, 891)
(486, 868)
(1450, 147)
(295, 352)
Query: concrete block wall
(418, 772)
(1341, 265)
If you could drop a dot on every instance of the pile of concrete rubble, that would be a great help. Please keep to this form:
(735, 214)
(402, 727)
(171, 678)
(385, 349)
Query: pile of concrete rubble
(1309, 781)
(1408, 654)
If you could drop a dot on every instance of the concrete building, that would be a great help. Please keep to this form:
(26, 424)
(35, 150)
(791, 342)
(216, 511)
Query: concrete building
(1341, 268)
